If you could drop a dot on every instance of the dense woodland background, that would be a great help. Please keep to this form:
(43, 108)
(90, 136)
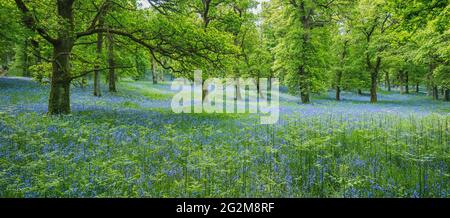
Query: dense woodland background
(312, 45)
(364, 108)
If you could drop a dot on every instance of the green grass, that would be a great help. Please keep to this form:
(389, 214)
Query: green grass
(145, 89)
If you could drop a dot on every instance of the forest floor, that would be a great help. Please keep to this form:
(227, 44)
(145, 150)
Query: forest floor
(130, 144)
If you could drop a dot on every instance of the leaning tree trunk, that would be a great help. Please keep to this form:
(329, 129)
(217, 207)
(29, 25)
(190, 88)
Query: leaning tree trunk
(111, 64)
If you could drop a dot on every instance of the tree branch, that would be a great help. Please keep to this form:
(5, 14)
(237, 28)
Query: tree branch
(31, 22)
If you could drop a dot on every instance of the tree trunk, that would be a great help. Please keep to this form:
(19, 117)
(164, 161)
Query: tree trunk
(447, 95)
(304, 76)
(97, 71)
(339, 73)
(435, 93)
(258, 89)
(373, 89)
(338, 86)
(430, 83)
(304, 87)
(374, 77)
(417, 87)
(360, 92)
(406, 82)
(204, 91)
(305, 97)
(59, 99)
(160, 75)
(37, 57)
(111, 64)
(36, 51)
(238, 90)
(388, 81)
(269, 87)
(338, 93)
(25, 63)
(401, 78)
(154, 73)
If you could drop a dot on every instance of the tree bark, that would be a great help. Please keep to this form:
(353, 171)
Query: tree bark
(417, 87)
(111, 64)
(36, 51)
(401, 78)
(338, 86)
(269, 87)
(447, 95)
(373, 89)
(388, 81)
(25, 64)
(154, 73)
(204, 91)
(238, 90)
(430, 83)
(97, 71)
(304, 87)
(406, 82)
(340, 72)
(303, 75)
(59, 100)
(258, 89)
(435, 93)
(374, 77)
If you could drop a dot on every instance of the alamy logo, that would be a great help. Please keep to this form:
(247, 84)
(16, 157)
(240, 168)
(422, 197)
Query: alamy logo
(220, 95)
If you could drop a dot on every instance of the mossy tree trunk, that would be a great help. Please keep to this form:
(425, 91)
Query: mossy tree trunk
(59, 100)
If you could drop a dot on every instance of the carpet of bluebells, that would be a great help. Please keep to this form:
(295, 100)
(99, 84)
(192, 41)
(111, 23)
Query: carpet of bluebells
(130, 144)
